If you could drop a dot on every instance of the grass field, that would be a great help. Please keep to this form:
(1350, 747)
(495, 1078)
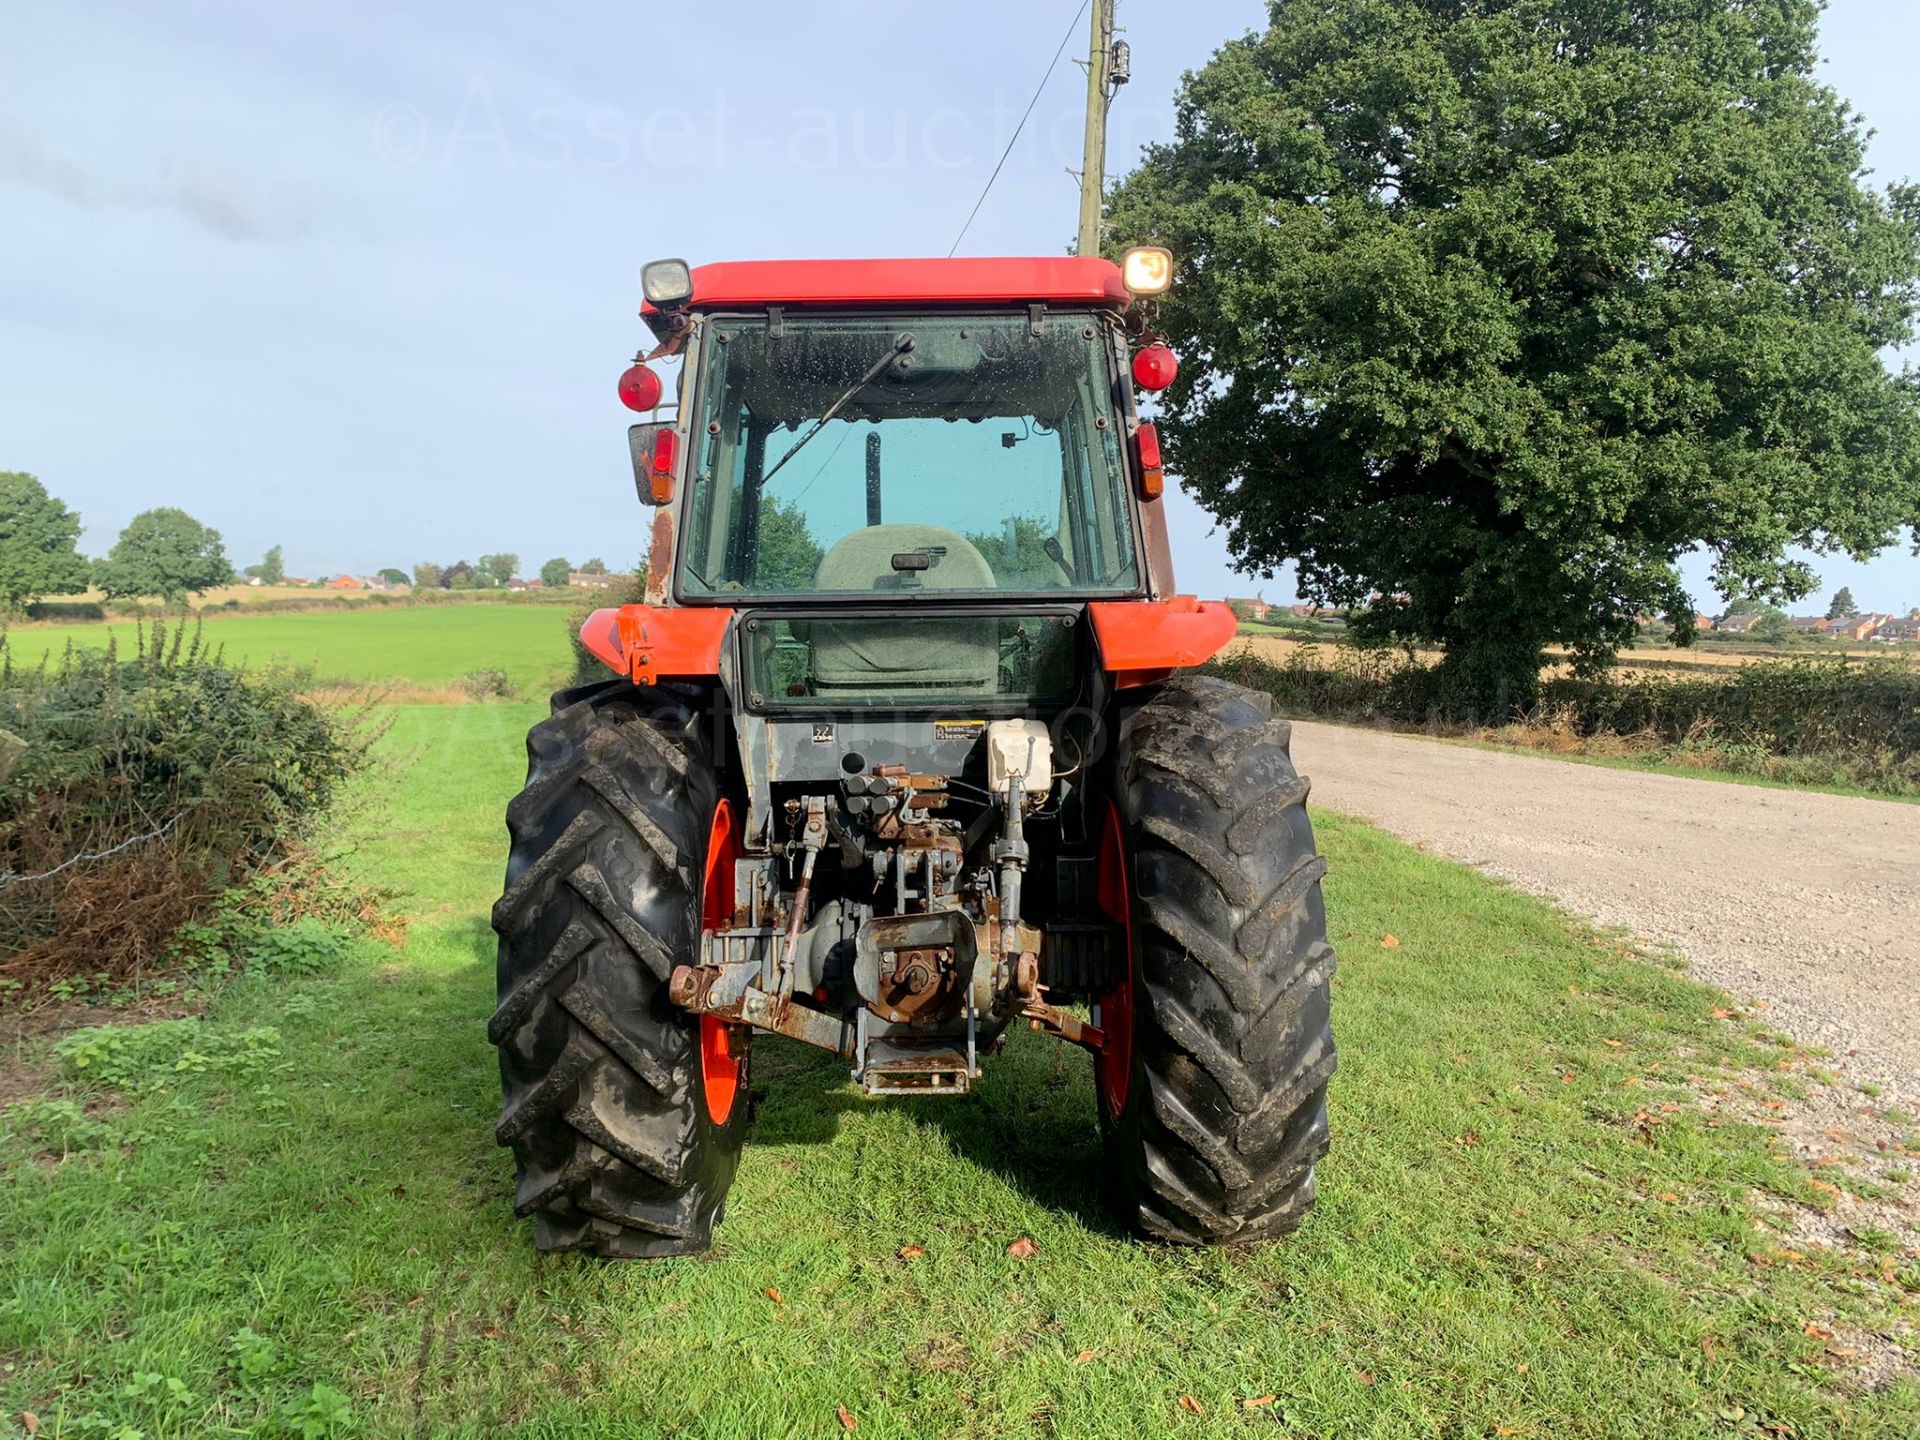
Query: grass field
(1558, 1205)
(428, 646)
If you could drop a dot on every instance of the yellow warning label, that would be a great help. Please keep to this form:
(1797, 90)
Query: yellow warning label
(958, 729)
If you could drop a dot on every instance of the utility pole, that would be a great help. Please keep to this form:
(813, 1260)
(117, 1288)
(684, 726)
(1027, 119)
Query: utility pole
(1102, 76)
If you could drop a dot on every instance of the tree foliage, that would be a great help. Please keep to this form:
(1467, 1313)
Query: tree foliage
(167, 553)
(1843, 606)
(495, 570)
(426, 576)
(556, 573)
(394, 576)
(38, 535)
(1493, 309)
(786, 556)
(271, 570)
(1020, 560)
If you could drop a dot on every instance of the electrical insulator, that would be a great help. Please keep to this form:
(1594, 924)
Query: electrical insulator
(1120, 63)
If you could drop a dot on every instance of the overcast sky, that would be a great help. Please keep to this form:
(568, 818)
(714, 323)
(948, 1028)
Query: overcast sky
(360, 282)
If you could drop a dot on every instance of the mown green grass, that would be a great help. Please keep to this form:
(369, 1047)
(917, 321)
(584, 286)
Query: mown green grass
(424, 645)
(1500, 1248)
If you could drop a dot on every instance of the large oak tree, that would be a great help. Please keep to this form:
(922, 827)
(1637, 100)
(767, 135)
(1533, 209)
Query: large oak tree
(1494, 309)
(38, 536)
(164, 552)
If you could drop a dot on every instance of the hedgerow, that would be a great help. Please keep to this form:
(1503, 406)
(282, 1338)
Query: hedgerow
(135, 790)
(1806, 720)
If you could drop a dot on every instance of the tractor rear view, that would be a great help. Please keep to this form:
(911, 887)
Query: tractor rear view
(900, 754)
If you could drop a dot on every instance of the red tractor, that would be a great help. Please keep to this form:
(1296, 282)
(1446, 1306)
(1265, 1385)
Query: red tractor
(903, 750)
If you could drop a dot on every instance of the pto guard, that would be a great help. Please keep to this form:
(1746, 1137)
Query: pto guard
(646, 643)
(1142, 641)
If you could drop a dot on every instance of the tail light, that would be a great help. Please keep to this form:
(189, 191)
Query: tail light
(1146, 455)
(666, 450)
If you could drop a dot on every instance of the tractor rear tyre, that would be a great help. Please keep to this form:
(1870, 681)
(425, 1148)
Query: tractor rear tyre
(625, 1114)
(1213, 1087)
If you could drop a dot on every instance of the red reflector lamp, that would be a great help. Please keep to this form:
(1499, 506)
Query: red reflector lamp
(640, 389)
(666, 449)
(1155, 367)
(1146, 452)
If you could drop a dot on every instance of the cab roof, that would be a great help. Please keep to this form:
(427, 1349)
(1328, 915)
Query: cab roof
(1055, 280)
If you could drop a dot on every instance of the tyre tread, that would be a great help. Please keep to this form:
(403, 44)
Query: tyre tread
(1232, 976)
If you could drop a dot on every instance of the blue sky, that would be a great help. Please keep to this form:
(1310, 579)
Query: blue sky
(359, 280)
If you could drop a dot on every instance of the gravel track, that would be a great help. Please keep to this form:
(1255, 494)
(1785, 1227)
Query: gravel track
(1808, 902)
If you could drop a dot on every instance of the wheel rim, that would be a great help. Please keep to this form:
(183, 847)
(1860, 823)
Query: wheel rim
(721, 1051)
(1115, 1066)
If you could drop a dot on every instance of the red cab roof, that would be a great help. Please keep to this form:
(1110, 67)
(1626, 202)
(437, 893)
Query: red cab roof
(1059, 280)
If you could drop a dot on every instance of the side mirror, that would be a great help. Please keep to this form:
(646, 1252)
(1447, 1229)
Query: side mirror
(654, 448)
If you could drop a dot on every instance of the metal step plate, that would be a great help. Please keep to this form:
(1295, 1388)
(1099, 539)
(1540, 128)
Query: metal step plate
(893, 1069)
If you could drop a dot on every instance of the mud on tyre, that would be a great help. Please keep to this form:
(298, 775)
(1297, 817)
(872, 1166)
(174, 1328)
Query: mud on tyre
(625, 1118)
(1213, 1100)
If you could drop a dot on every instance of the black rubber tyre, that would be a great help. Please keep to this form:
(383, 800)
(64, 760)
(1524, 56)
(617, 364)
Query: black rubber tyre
(605, 1100)
(1225, 1108)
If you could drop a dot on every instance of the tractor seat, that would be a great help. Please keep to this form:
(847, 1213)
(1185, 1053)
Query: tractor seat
(863, 560)
(876, 659)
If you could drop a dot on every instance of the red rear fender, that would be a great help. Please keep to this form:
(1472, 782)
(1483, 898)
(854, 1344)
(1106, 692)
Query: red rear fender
(646, 643)
(1146, 640)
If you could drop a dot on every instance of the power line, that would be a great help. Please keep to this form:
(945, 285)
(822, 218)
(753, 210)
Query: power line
(1072, 30)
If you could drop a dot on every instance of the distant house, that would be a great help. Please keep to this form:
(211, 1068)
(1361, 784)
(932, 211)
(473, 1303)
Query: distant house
(346, 582)
(1703, 622)
(517, 584)
(1897, 628)
(1735, 624)
(1255, 609)
(1818, 624)
(295, 580)
(581, 580)
(1858, 627)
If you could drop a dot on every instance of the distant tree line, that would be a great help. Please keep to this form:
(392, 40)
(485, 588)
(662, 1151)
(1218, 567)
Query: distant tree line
(165, 553)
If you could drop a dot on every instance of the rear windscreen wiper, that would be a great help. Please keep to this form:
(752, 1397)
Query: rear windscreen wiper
(902, 346)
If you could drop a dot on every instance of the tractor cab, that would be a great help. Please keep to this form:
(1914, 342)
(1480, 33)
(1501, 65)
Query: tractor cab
(917, 490)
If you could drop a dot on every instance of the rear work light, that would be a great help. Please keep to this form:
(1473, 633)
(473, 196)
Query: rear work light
(1146, 454)
(666, 282)
(1147, 270)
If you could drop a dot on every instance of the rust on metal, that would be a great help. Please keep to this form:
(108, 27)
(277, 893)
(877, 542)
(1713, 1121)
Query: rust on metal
(1064, 1025)
(918, 986)
(660, 557)
(687, 987)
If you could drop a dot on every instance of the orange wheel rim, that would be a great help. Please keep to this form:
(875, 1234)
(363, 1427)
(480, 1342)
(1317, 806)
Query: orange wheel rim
(719, 1067)
(722, 1050)
(1115, 1065)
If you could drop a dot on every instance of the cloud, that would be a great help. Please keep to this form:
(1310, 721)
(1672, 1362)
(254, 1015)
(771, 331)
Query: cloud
(208, 196)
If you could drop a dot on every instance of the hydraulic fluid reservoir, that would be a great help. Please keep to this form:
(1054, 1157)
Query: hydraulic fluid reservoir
(1019, 747)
